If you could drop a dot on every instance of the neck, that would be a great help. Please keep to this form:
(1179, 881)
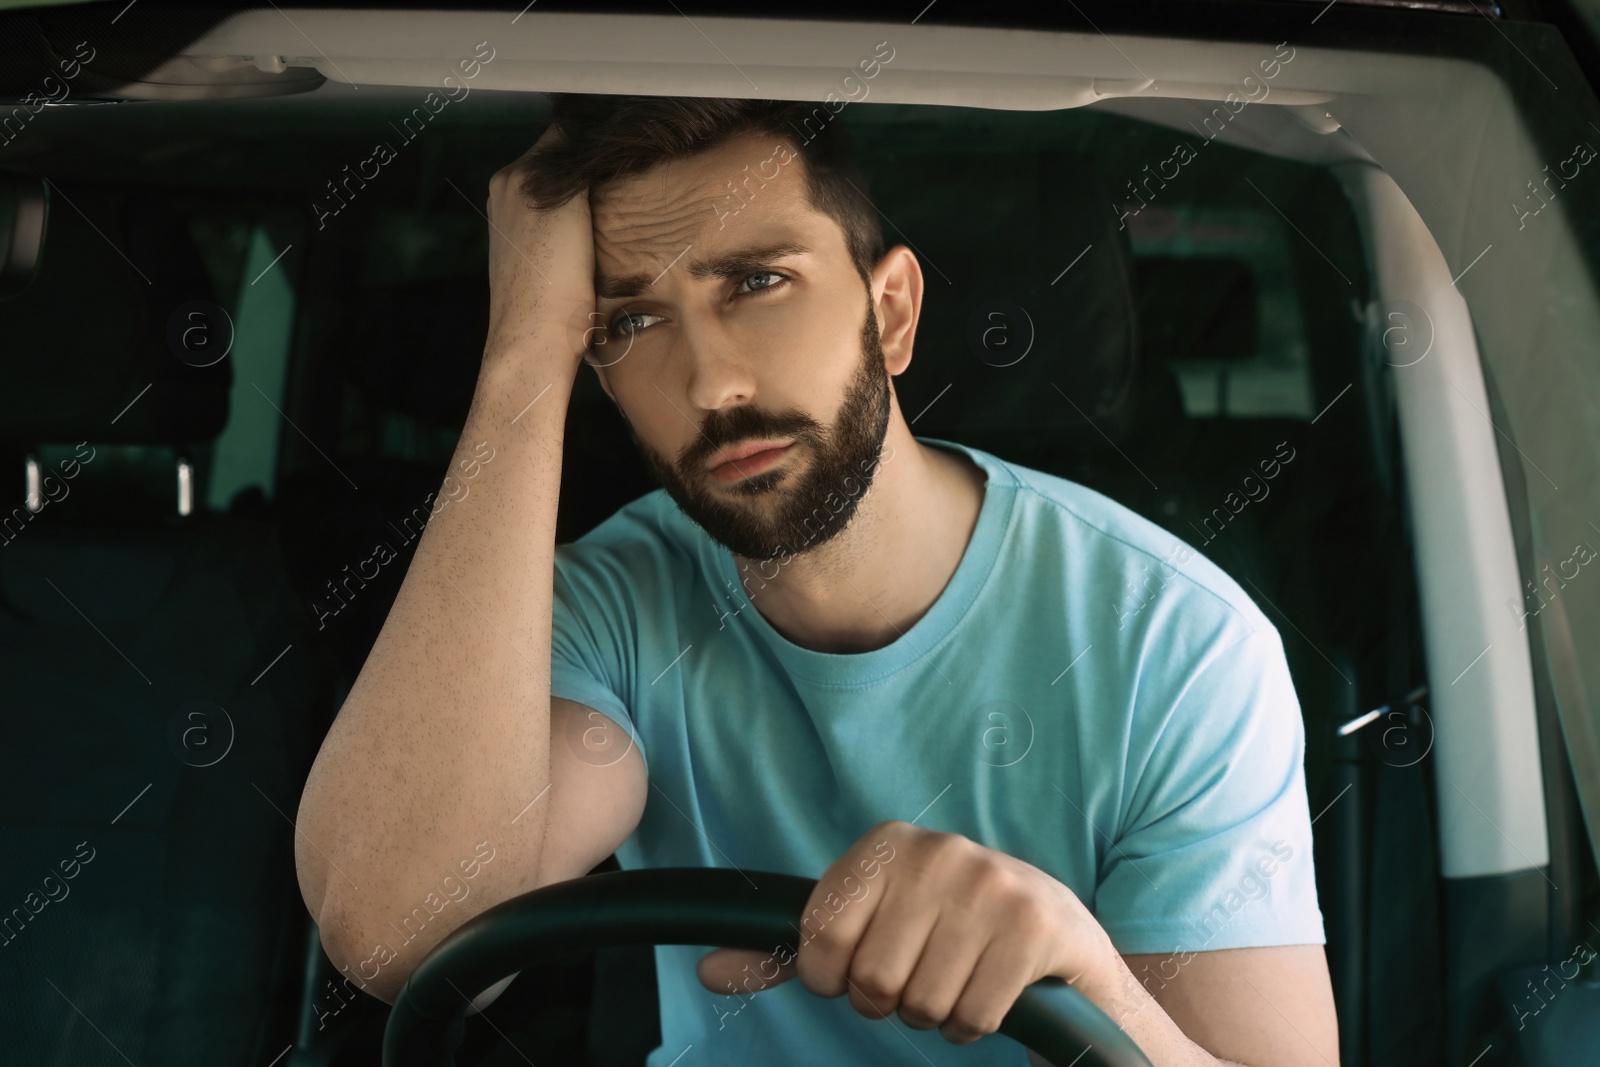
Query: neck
(870, 584)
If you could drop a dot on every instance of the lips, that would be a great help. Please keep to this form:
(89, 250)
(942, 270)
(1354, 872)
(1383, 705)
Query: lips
(731, 464)
(744, 451)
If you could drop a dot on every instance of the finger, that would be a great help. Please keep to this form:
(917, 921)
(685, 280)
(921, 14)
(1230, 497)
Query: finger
(836, 915)
(887, 953)
(742, 971)
(997, 981)
(954, 947)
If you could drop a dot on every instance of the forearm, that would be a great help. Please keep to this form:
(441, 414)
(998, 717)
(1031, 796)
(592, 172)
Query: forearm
(444, 738)
(1115, 990)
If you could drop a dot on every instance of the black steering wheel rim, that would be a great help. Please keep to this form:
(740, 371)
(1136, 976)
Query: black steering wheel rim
(677, 906)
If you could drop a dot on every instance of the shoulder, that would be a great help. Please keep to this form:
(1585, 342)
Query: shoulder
(646, 544)
(1105, 543)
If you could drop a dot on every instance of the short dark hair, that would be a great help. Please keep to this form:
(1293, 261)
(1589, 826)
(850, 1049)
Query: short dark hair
(607, 138)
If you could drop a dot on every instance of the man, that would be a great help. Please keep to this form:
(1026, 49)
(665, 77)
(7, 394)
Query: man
(826, 648)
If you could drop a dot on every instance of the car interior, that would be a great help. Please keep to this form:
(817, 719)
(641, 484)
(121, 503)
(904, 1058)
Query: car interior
(201, 589)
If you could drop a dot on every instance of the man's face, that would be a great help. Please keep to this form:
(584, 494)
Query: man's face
(738, 323)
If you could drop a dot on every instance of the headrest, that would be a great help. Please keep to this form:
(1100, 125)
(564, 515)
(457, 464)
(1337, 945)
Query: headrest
(111, 303)
(1026, 290)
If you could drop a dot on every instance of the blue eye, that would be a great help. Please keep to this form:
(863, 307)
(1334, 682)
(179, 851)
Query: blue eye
(623, 324)
(617, 324)
(766, 274)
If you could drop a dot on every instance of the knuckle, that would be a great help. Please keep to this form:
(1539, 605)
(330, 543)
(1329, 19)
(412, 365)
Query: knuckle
(829, 944)
(967, 1024)
(946, 848)
(989, 886)
(1030, 912)
(826, 941)
(875, 983)
(921, 1011)
(997, 874)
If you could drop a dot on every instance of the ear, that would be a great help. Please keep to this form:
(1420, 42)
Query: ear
(897, 301)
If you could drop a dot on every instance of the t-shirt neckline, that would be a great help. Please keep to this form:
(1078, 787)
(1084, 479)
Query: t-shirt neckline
(927, 633)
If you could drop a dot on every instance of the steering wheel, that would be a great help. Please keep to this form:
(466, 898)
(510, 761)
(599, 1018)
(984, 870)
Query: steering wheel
(677, 906)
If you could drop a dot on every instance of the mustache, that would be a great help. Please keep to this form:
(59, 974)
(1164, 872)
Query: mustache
(735, 425)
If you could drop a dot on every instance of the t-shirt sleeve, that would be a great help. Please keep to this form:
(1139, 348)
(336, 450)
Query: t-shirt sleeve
(591, 647)
(1214, 848)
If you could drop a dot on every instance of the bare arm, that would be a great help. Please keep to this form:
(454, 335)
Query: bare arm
(1254, 1006)
(442, 755)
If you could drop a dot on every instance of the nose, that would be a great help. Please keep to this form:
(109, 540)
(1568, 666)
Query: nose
(720, 372)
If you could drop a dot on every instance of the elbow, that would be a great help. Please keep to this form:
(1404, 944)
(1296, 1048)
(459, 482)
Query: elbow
(344, 918)
(368, 960)
(378, 954)
(355, 944)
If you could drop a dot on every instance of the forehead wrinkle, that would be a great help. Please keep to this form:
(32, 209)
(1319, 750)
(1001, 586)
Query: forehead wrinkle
(712, 265)
(632, 223)
(658, 230)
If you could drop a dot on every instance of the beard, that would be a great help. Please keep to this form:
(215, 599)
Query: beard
(777, 512)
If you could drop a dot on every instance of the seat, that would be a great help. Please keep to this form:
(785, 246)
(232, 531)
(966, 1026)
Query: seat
(163, 691)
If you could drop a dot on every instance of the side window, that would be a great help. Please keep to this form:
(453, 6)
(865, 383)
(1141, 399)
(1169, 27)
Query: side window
(261, 304)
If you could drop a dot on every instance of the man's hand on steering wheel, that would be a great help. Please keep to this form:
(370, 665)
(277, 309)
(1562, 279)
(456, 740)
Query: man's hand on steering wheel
(933, 926)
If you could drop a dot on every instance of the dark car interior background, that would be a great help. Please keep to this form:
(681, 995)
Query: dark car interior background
(1187, 343)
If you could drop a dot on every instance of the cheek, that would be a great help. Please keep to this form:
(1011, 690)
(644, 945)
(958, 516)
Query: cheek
(644, 399)
(800, 354)
(809, 355)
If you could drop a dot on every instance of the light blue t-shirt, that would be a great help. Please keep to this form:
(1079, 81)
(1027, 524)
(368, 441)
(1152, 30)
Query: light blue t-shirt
(1087, 694)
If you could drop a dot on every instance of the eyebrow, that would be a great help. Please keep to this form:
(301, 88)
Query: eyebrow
(729, 265)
